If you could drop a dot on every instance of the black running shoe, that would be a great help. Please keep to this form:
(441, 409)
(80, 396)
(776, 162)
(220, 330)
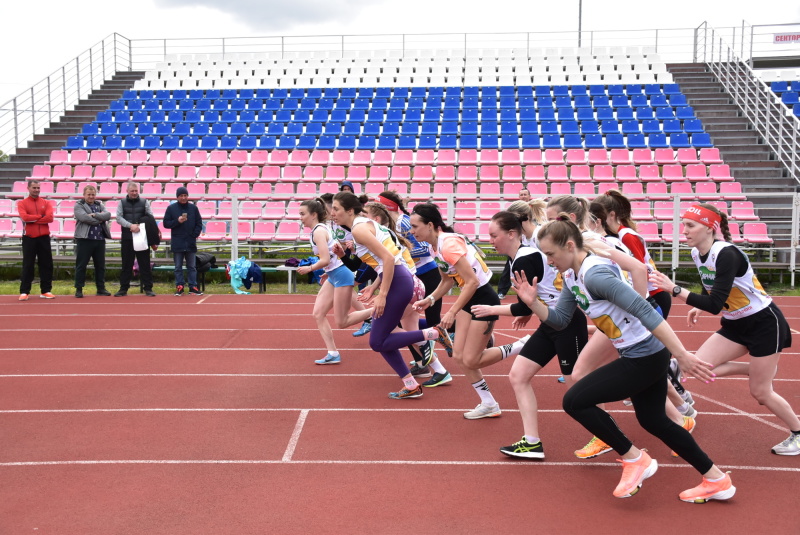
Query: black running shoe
(438, 379)
(420, 371)
(524, 450)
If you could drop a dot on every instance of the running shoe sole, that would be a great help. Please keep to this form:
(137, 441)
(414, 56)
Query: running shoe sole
(726, 494)
(649, 472)
(523, 454)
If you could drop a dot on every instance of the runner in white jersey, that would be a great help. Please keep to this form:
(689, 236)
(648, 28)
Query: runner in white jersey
(461, 263)
(644, 341)
(337, 287)
(751, 322)
(532, 213)
(535, 351)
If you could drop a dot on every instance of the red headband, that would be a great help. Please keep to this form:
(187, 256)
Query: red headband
(389, 204)
(704, 216)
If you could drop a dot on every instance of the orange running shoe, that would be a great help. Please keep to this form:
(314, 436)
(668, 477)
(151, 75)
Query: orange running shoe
(710, 490)
(594, 448)
(688, 423)
(633, 474)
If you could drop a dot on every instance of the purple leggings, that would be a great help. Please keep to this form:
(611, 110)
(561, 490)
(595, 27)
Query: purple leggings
(381, 337)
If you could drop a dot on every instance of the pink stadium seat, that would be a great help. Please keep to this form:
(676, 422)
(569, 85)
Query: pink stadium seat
(649, 173)
(103, 173)
(684, 189)
(306, 190)
(490, 173)
(55, 227)
(672, 173)
(466, 211)
(603, 187)
(208, 209)
(686, 156)
(270, 174)
(259, 157)
(553, 157)
(288, 231)
(532, 157)
(378, 173)
(731, 191)
(196, 190)
(598, 157)
(743, 211)
(489, 157)
(420, 191)
(166, 233)
(82, 172)
(466, 190)
(224, 210)
(58, 157)
(663, 210)
(633, 190)
(372, 189)
(603, 173)
(664, 156)
(736, 235)
(250, 210)
(171, 189)
(66, 208)
(181, 157)
(62, 172)
(67, 230)
(116, 230)
(261, 190)
(278, 157)
(466, 229)
(118, 157)
(159, 208)
(313, 173)
(186, 173)
(576, 157)
(41, 172)
(46, 187)
(640, 211)
(151, 190)
(123, 173)
(215, 231)
(467, 173)
(78, 157)
(65, 188)
(649, 231)
(640, 156)
(263, 231)
(534, 173)
(237, 157)
(6, 227)
(584, 189)
(98, 157)
(217, 190)
(510, 157)
(383, 157)
(442, 190)
(557, 173)
(111, 206)
(720, 173)
(283, 190)
(696, 172)
(298, 157)
(580, 173)
(334, 174)
(536, 189)
(468, 157)
(626, 173)
(207, 173)
(217, 157)
(400, 173)
(242, 189)
(248, 173)
(140, 156)
(560, 188)
(668, 233)
(108, 190)
(710, 156)
(292, 173)
(404, 157)
(362, 157)
(429, 157)
(145, 173)
(274, 210)
(357, 175)
(319, 157)
(243, 231)
(445, 173)
(490, 190)
(483, 232)
(706, 191)
(422, 173)
(512, 173)
(164, 173)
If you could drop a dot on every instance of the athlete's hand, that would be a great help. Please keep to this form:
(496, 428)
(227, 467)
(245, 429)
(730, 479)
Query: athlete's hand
(380, 303)
(691, 317)
(525, 291)
(303, 270)
(323, 278)
(421, 305)
(519, 322)
(662, 281)
(481, 311)
(695, 367)
(338, 250)
(448, 320)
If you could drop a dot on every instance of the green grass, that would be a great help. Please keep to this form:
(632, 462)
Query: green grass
(66, 288)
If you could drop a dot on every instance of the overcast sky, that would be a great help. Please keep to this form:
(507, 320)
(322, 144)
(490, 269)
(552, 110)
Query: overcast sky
(40, 36)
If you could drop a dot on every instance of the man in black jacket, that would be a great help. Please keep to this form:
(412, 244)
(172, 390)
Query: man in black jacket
(186, 223)
(131, 214)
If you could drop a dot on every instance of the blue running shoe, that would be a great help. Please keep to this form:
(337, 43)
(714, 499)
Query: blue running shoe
(329, 359)
(561, 379)
(365, 328)
(445, 340)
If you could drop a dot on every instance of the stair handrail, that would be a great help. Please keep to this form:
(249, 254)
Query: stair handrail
(30, 112)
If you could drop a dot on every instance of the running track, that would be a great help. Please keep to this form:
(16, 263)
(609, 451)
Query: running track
(207, 415)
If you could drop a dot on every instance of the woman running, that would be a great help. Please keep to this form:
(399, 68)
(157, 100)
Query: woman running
(506, 234)
(751, 322)
(337, 288)
(463, 264)
(376, 246)
(644, 342)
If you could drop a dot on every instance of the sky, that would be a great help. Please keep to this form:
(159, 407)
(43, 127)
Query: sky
(37, 38)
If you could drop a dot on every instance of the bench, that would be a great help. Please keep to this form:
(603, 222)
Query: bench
(262, 287)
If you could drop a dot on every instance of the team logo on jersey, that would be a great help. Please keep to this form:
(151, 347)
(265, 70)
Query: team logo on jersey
(707, 276)
(444, 266)
(580, 297)
(339, 234)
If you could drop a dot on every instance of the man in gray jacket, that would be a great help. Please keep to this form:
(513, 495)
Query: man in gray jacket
(131, 212)
(91, 232)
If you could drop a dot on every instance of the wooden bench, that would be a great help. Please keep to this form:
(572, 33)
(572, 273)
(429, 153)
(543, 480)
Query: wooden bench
(262, 287)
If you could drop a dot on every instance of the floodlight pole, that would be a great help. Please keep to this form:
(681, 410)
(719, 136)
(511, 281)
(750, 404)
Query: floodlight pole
(580, 19)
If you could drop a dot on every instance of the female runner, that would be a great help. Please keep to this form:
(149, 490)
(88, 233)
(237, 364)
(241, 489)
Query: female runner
(639, 334)
(751, 322)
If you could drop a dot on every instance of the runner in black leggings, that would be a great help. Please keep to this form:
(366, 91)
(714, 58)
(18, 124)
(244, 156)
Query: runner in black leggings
(639, 334)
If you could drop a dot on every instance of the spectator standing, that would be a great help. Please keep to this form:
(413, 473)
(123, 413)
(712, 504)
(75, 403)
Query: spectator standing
(130, 214)
(36, 215)
(186, 223)
(91, 233)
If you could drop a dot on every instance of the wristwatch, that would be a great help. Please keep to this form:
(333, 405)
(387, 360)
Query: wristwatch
(676, 291)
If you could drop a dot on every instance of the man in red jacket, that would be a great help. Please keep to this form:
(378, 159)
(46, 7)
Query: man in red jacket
(36, 214)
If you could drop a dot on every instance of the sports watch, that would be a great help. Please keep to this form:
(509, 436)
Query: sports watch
(676, 291)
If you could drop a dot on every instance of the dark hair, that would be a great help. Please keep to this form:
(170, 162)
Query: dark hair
(723, 224)
(509, 221)
(572, 205)
(599, 212)
(614, 201)
(327, 198)
(429, 213)
(561, 230)
(349, 201)
(393, 196)
(317, 206)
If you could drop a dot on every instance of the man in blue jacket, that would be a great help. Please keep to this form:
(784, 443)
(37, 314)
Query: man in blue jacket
(186, 223)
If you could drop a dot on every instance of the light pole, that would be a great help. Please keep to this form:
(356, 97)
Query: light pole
(580, 19)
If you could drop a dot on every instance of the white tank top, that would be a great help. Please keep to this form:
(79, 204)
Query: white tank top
(648, 260)
(387, 239)
(473, 256)
(623, 329)
(747, 295)
(340, 233)
(335, 260)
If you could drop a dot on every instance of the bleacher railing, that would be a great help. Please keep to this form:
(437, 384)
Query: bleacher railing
(30, 112)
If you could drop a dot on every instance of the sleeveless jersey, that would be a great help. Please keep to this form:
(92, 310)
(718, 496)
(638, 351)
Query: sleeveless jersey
(621, 328)
(335, 260)
(403, 228)
(385, 236)
(648, 260)
(747, 295)
(340, 233)
(473, 256)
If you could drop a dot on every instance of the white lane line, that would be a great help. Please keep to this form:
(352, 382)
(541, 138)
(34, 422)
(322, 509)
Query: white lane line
(203, 299)
(298, 428)
(515, 464)
(755, 417)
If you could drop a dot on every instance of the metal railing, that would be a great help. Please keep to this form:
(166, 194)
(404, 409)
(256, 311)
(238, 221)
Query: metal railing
(30, 112)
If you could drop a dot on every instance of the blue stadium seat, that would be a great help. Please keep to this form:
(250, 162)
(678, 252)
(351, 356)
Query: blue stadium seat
(609, 126)
(650, 126)
(170, 142)
(469, 115)
(94, 142)
(580, 90)
(112, 142)
(90, 129)
(429, 129)
(701, 141)
(464, 142)
(267, 142)
(190, 142)
(662, 114)
(531, 141)
(570, 127)
(228, 142)
(608, 113)
(633, 89)
(509, 141)
(508, 115)
(585, 114)
(425, 142)
(573, 141)
(652, 89)
(790, 98)
(346, 142)
(677, 100)
(551, 141)
(619, 101)
(526, 102)
(542, 90)
(259, 129)
(449, 142)
(692, 126)
(636, 141)
(489, 127)
(151, 142)
(644, 112)
(638, 101)
(615, 141)
(615, 89)
(586, 102)
(286, 142)
(127, 129)
(631, 126)
(307, 142)
(529, 127)
(211, 117)
(106, 116)
(564, 102)
(560, 91)
(527, 114)
(209, 142)
(490, 141)
(657, 141)
(548, 127)
(671, 126)
(658, 101)
(469, 128)
(367, 142)
(684, 112)
(594, 141)
(132, 143)
(679, 141)
(217, 129)
(590, 127)
(451, 128)
(596, 90)
(671, 89)
(387, 142)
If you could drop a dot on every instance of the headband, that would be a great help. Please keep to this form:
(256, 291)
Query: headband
(389, 204)
(704, 216)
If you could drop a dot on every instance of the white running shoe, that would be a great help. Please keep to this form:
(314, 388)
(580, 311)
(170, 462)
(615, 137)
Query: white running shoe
(483, 411)
(790, 446)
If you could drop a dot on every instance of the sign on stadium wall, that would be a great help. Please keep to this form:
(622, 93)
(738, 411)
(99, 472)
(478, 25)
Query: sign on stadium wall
(786, 38)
